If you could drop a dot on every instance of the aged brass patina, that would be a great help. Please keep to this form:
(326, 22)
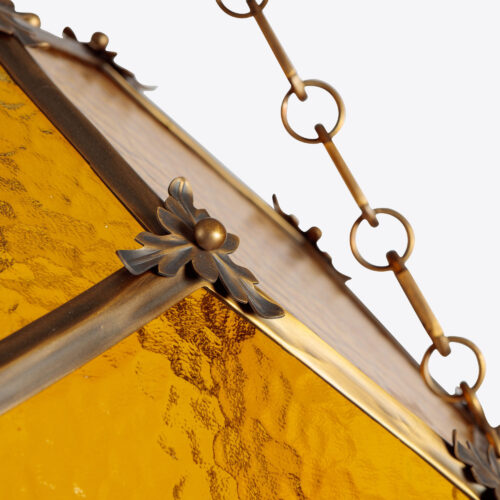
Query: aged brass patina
(434, 387)
(79, 330)
(312, 235)
(346, 174)
(484, 465)
(114, 171)
(396, 263)
(97, 45)
(419, 303)
(20, 24)
(26, 28)
(194, 237)
(209, 234)
(477, 411)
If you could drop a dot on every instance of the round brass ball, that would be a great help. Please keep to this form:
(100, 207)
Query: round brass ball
(31, 19)
(99, 41)
(210, 234)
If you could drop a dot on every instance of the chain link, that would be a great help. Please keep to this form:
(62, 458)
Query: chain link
(396, 263)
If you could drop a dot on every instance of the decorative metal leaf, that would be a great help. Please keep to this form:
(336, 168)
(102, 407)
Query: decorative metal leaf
(154, 250)
(186, 226)
(160, 241)
(173, 261)
(260, 304)
(484, 466)
(312, 236)
(172, 224)
(180, 190)
(204, 264)
(178, 209)
(230, 245)
(243, 272)
(231, 281)
(97, 46)
(20, 24)
(26, 28)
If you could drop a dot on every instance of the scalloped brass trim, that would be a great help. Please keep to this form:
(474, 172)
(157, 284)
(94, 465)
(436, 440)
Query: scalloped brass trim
(312, 236)
(193, 237)
(25, 27)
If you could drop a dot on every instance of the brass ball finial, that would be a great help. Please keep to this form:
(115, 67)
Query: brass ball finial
(313, 234)
(210, 234)
(31, 19)
(99, 41)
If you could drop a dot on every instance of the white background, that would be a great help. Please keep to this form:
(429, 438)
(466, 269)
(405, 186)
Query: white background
(421, 84)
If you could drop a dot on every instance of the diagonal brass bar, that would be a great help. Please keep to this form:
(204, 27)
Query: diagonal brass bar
(278, 50)
(418, 302)
(68, 337)
(107, 163)
(347, 176)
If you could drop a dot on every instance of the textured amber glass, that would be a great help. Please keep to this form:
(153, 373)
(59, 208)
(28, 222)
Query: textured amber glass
(200, 404)
(59, 224)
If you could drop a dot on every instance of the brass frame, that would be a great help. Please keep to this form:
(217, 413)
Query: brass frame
(204, 155)
(114, 171)
(58, 343)
(61, 341)
(342, 375)
(221, 170)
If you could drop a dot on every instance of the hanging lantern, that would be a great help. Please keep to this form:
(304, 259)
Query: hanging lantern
(167, 334)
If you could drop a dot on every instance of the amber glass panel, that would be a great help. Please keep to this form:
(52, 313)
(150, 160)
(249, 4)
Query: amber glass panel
(201, 405)
(59, 224)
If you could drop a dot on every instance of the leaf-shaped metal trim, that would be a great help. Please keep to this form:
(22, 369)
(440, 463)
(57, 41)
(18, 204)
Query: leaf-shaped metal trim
(20, 24)
(26, 28)
(204, 264)
(97, 46)
(194, 237)
(484, 466)
(312, 236)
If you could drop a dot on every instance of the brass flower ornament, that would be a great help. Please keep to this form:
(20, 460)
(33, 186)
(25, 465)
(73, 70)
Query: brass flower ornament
(195, 237)
(484, 465)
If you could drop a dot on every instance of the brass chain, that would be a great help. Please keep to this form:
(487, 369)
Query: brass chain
(396, 263)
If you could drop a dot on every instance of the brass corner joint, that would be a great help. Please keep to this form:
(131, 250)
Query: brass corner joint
(193, 237)
(22, 25)
(25, 27)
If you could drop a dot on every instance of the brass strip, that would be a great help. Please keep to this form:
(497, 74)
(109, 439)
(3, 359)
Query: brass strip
(342, 375)
(114, 171)
(221, 170)
(21, 357)
(174, 128)
(213, 163)
(56, 344)
(53, 346)
(94, 325)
